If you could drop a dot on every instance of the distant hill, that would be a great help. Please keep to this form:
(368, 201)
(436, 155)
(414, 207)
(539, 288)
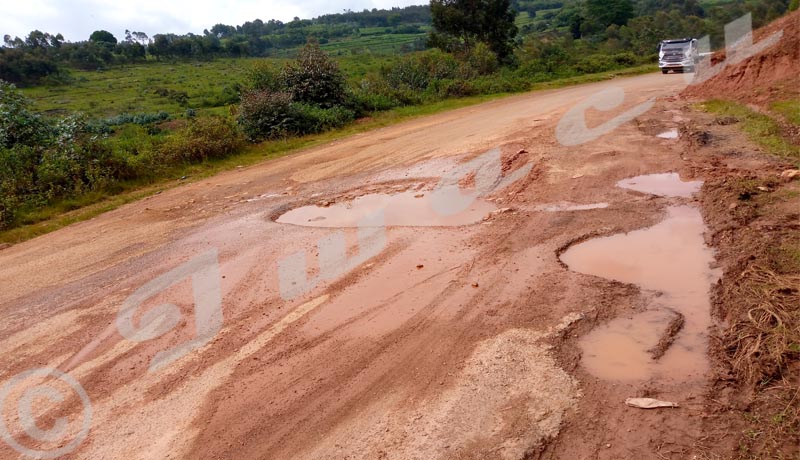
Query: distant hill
(43, 58)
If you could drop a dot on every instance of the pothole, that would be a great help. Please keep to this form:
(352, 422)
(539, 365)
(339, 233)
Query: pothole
(406, 209)
(667, 185)
(672, 261)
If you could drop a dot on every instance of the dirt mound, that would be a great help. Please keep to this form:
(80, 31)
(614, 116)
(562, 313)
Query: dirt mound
(761, 77)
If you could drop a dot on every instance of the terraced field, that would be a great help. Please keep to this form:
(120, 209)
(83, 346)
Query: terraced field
(375, 44)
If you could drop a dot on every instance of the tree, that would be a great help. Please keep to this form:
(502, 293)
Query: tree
(314, 78)
(607, 12)
(103, 36)
(460, 24)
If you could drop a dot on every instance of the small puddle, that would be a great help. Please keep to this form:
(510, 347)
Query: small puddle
(670, 260)
(408, 209)
(567, 207)
(667, 185)
(671, 134)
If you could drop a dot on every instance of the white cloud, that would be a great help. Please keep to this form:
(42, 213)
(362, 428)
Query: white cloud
(77, 19)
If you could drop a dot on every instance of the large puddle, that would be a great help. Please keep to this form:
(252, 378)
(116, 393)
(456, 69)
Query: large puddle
(671, 261)
(668, 184)
(408, 209)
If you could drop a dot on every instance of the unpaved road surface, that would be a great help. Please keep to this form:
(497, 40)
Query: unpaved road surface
(424, 339)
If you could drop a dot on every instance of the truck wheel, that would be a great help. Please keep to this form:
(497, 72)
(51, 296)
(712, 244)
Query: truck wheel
(664, 71)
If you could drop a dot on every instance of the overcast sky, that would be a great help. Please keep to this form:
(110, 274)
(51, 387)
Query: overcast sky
(77, 19)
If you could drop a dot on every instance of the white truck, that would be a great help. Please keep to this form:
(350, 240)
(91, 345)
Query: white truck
(680, 55)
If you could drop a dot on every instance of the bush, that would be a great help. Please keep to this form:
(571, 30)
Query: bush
(310, 119)
(443, 89)
(136, 118)
(314, 78)
(27, 69)
(372, 94)
(202, 139)
(626, 59)
(269, 115)
(480, 60)
(594, 64)
(77, 162)
(505, 82)
(418, 71)
(265, 75)
(18, 124)
(17, 180)
(265, 114)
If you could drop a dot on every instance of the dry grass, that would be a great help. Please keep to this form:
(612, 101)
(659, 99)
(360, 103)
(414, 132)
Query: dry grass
(763, 347)
(768, 338)
(760, 302)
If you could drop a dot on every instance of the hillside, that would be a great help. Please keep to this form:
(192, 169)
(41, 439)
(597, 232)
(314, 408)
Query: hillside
(764, 77)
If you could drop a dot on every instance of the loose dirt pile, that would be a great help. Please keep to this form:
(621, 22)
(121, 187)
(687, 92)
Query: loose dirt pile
(757, 78)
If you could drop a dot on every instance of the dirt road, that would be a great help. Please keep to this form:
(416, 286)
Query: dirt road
(445, 334)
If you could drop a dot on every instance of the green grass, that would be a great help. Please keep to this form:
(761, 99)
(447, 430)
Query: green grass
(51, 218)
(790, 110)
(762, 129)
(131, 89)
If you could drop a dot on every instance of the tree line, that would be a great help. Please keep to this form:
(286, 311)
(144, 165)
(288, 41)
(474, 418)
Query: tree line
(41, 57)
(610, 26)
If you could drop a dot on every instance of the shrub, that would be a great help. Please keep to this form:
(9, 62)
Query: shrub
(25, 68)
(419, 70)
(444, 89)
(314, 78)
(480, 60)
(136, 118)
(17, 179)
(504, 82)
(265, 75)
(594, 64)
(310, 119)
(265, 114)
(77, 162)
(626, 59)
(18, 124)
(201, 139)
(372, 94)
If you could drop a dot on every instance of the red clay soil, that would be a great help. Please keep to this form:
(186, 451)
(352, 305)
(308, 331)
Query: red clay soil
(757, 78)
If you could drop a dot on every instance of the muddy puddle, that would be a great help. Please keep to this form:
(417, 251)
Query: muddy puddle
(672, 264)
(408, 209)
(667, 185)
